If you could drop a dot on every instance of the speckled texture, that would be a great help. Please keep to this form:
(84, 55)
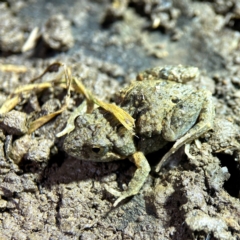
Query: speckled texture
(11, 32)
(163, 110)
(95, 138)
(57, 33)
(14, 122)
(65, 198)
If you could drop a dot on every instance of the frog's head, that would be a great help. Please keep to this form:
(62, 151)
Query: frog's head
(95, 138)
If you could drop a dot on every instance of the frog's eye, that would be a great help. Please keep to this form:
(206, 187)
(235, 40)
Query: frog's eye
(99, 150)
(96, 149)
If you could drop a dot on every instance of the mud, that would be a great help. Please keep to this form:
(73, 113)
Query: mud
(45, 194)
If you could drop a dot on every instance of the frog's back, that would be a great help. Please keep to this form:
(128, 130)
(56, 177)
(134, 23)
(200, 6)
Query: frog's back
(150, 101)
(155, 90)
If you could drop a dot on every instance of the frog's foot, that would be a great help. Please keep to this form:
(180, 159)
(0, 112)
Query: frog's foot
(187, 151)
(187, 148)
(120, 195)
(205, 123)
(137, 181)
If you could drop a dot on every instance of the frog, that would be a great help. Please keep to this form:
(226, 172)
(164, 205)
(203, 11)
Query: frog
(165, 108)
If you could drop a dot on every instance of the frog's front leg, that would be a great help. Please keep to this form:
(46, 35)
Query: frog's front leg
(137, 181)
(205, 123)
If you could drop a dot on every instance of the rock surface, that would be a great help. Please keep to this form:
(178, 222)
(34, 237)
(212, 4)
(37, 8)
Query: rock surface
(45, 194)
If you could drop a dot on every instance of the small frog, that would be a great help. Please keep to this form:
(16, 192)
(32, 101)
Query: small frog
(165, 110)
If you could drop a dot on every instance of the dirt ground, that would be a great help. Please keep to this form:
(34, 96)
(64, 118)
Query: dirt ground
(46, 194)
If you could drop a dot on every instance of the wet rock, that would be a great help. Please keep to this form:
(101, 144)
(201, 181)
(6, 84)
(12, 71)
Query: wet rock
(39, 151)
(4, 236)
(88, 236)
(48, 130)
(12, 203)
(11, 184)
(9, 85)
(3, 204)
(225, 136)
(200, 221)
(4, 165)
(114, 12)
(33, 217)
(187, 196)
(19, 235)
(97, 77)
(20, 148)
(57, 33)
(162, 13)
(9, 223)
(38, 236)
(32, 149)
(11, 34)
(14, 122)
(4, 168)
(50, 106)
(193, 192)
(29, 182)
(216, 176)
(2, 135)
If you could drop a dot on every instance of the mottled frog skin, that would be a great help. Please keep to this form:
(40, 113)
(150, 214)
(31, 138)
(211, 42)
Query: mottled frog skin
(165, 109)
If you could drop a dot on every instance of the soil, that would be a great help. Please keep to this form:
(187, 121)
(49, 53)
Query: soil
(46, 194)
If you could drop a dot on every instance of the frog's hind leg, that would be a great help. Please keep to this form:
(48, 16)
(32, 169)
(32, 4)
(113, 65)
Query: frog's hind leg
(204, 124)
(137, 181)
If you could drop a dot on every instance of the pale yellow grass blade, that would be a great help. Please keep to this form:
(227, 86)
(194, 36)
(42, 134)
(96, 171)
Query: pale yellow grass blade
(123, 117)
(42, 120)
(9, 104)
(12, 68)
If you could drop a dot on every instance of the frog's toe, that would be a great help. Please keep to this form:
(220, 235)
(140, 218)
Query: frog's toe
(119, 200)
(113, 191)
(120, 195)
(187, 151)
(137, 181)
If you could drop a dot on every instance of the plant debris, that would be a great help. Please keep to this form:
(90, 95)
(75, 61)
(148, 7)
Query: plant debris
(46, 194)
